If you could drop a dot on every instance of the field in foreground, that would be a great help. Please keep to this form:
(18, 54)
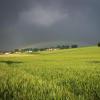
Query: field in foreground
(72, 74)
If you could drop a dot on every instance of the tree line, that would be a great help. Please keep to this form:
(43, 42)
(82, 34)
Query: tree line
(50, 48)
(29, 50)
(44, 49)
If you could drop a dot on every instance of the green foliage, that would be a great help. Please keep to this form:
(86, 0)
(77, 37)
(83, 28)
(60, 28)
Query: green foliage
(98, 44)
(63, 47)
(74, 46)
(35, 49)
(16, 50)
(72, 74)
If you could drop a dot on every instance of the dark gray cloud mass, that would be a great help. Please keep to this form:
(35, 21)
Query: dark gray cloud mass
(33, 22)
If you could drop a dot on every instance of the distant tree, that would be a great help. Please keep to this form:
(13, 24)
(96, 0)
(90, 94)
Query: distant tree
(58, 46)
(22, 50)
(35, 49)
(11, 52)
(63, 46)
(67, 46)
(98, 44)
(42, 49)
(16, 50)
(74, 46)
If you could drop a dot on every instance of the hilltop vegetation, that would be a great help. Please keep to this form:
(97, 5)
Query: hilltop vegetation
(72, 74)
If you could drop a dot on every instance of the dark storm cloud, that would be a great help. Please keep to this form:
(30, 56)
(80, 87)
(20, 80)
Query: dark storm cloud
(26, 22)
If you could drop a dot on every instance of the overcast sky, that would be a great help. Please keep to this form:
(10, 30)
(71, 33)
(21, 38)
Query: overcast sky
(32, 22)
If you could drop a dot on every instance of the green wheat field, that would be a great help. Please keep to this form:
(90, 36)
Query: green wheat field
(71, 74)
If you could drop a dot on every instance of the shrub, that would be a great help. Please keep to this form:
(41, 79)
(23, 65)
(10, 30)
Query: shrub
(74, 46)
(98, 44)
